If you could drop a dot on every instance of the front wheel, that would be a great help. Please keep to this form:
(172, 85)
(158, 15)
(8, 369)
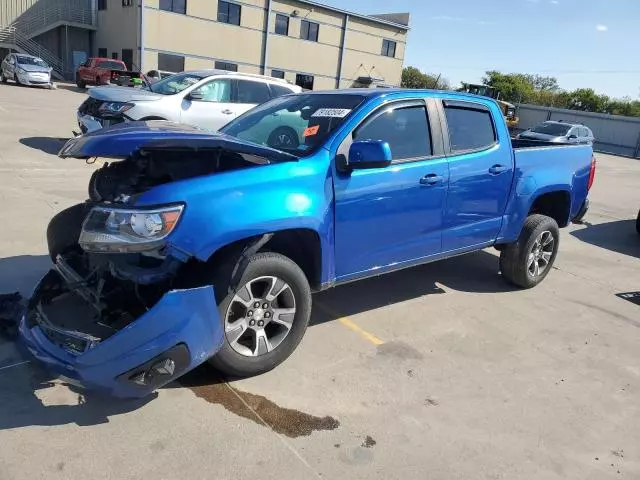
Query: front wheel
(528, 261)
(15, 79)
(79, 81)
(3, 79)
(265, 312)
(638, 223)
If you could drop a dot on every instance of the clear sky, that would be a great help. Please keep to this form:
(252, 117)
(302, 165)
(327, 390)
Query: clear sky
(584, 43)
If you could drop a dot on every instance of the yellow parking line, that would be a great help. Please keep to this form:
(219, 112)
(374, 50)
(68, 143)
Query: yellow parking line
(350, 324)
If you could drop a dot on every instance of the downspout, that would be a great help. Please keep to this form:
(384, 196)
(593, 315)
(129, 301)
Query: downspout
(141, 36)
(265, 43)
(343, 45)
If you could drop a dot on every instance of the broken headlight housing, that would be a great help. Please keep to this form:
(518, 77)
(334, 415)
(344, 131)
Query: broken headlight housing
(115, 108)
(119, 230)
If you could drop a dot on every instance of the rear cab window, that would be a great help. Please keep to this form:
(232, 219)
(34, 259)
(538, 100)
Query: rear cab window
(470, 125)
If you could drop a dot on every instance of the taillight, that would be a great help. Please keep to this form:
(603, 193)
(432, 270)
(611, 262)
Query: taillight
(592, 172)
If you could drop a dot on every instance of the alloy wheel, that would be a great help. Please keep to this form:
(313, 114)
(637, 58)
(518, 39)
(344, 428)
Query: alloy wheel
(260, 316)
(540, 255)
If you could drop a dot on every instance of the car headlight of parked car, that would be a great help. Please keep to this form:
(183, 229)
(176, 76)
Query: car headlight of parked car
(115, 108)
(128, 230)
(21, 70)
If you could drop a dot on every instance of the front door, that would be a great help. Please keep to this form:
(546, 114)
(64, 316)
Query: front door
(392, 216)
(481, 175)
(214, 109)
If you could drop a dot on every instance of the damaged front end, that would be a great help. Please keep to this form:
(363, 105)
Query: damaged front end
(119, 336)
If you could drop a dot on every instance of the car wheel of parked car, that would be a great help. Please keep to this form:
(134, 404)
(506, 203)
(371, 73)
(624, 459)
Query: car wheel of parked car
(528, 261)
(79, 82)
(265, 311)
(638, 223)
(3, 78)
(63, 231)
(15, 79)
(284, 137)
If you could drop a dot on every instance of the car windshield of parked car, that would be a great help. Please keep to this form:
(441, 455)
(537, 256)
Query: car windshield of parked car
(175, 83)
(554, 129)
(108, 65)
(31, 61)
(297, 124)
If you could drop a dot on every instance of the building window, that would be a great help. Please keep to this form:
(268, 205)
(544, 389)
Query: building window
(388, 48)
(102, 53)
(277, 74)
(127, 57)
(114, 55)
(231, 67)
(175, 6)
(304, 81)
(127, 3)
(309, 30)
(282, 24)
(170, 63)
(102, 4)
(228, 12)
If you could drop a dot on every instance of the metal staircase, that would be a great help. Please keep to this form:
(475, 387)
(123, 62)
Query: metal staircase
(43, 16)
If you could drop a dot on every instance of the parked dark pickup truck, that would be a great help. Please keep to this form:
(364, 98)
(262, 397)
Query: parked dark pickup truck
(198, 246)
(104, 71)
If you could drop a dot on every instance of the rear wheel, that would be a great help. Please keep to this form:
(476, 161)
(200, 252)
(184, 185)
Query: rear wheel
(528, 261)
(265, 313)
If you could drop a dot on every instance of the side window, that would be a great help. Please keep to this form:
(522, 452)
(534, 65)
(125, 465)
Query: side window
(469, 128)
(405, 129)
(217, 91)
(252, 92)
(278, 91)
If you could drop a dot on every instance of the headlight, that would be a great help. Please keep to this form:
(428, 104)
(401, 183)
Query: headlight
(21, 70)
(115, 107)
(128, 230)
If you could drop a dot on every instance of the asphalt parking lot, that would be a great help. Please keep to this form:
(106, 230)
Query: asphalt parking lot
(438, 372)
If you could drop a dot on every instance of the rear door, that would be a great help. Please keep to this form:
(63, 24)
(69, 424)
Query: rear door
(249, 94)
(390, 217)
(215, 109)
(481, 172)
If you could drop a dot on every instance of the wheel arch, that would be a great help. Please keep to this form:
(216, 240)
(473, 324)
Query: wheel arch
(555, 203)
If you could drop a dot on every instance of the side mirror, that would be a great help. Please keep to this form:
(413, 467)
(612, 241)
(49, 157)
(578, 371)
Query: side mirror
(196, 95)
(572, 137)
(369, 154)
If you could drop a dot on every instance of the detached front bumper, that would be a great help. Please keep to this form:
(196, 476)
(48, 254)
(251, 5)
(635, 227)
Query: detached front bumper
(181, 331)
(89, 123)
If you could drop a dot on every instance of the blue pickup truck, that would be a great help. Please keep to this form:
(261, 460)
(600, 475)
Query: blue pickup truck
(199, 247)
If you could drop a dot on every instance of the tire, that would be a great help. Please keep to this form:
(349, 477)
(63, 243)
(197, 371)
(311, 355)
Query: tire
(79, 82)
(638, 224)
(15, 79)
(284, 137)
(516, 262)
(2, 77)
(63, 231)
(229, 360)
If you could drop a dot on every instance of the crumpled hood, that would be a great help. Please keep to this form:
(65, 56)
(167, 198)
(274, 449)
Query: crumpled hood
(125, 139)
(33, 68)
(123, 94)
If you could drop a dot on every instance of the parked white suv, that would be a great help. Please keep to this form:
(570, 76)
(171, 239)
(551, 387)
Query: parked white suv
(207, 99)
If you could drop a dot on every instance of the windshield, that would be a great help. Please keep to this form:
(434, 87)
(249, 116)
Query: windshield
(555, 129)
(297, 124)
(31, 61)
(109, 65)
(175, 83)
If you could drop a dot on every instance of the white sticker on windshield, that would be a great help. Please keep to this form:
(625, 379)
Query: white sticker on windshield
(331, 112)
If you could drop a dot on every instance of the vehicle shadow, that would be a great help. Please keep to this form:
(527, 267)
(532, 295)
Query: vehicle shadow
(619, 236)
(25, 393)
(50, 145)
(476, 272)
(71, 88)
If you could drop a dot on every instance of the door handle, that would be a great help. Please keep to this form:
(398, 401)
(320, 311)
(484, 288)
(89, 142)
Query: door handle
(498, 169)
(227, 112)
(430, 179)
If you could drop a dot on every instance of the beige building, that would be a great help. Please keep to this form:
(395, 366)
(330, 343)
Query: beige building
(307, 43)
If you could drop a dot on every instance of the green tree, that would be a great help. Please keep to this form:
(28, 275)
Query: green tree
(414, 78)
(513, 87)
(586, 99)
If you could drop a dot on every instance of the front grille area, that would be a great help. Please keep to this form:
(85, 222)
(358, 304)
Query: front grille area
(90, 106)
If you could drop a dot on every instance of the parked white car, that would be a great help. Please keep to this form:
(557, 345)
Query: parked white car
(207, 99)
(25, 70)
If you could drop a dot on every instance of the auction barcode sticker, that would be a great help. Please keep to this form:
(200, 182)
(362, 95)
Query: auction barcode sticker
(331, 112)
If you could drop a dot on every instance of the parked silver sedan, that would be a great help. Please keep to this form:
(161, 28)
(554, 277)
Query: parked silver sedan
(25, 70)
(559, 132)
